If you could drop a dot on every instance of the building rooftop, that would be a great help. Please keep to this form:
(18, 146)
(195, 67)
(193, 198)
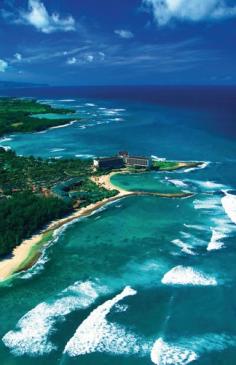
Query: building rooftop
(139, 157)
(107, 158)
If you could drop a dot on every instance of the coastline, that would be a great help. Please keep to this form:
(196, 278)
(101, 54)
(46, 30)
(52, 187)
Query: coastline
(28, 252)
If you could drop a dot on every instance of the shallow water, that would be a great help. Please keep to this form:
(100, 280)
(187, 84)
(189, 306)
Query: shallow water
(145, 279)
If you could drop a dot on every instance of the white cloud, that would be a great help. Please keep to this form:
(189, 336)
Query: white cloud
(18, 56)
(3, 65)
(190, 10)
(127, 34)
(38, 16)
(89, 58)
(101, 56)
(83, 58)
(71, 61)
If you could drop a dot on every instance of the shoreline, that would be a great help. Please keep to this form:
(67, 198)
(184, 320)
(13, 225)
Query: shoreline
(22, 255)
(29, 251)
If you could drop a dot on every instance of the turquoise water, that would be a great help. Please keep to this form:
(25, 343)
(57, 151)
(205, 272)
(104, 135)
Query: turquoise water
(144, 280)
(150, 182)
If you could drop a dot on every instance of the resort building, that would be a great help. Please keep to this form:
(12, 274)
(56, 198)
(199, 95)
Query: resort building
(108, 163)
(121, 160)
(138, 161)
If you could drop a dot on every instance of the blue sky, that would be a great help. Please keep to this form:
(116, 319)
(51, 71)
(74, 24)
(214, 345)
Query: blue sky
(101, 42)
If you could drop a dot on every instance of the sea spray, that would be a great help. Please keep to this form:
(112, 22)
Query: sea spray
(184, 350)
(229, 205)
(97, 334)
(185, 248)
(31, 335)
(164, 353)
(215, 242)
(181, 275)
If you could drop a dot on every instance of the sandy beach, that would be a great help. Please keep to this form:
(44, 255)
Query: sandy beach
(21, 254)
(105, 181)
(25, 255)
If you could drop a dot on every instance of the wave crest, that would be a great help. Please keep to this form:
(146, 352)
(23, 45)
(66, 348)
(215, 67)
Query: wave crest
(181, 275)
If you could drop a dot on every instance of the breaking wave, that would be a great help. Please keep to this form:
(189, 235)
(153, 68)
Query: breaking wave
(200, 167)
(164, 353)
(215, 242)
(178, 183)
(210, 203)
(184, 246)
(32, 331)
(195, 226)
(185, 350)
(5, 139)
(96, 334)
(57, 150)
(181, 275)
(229, 204)
(208, 185)
(37, 268)
(64, 125)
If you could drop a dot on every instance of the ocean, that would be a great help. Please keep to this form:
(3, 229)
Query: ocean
(144, 280)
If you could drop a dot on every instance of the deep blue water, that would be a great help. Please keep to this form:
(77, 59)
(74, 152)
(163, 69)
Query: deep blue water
(145, 280)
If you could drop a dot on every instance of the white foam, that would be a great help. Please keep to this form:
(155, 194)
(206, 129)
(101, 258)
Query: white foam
(210, 342)
(229, 204)
(209, 185)
(5, 139)
(64, 125)
(181, 275)
(118, 120)
(210, 203)
(6, 148)
(90, 104)
(202, 166)
(184, 246)
(178, 183)
(184, 350)
(33, 329)
(164, 353)
(84, 155)
(195, 226)
(36, 268)
(67, 100)
(96, 334)
(215, 242)
(57, 150)
(195, 241)
(41, 132)
(110, 112)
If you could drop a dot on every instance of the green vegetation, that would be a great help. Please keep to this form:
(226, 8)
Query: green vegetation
(89, 192)
(29, 200)
(29, 173)
(172, 165)
(23, 214)
(17, 115)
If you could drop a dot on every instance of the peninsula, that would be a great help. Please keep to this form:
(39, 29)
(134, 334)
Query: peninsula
(38, 196)
(20, 115)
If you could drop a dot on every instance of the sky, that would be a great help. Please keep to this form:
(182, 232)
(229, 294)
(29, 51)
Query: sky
(118, 42)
